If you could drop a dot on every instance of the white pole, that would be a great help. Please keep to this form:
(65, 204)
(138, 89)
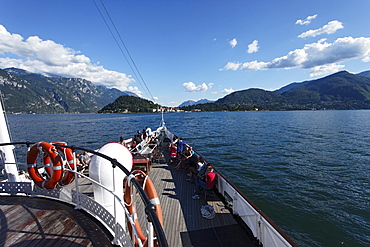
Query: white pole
(7, 154)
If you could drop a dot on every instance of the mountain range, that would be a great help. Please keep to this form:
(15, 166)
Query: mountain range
(26, 92)
(341, 90)
(193, 102)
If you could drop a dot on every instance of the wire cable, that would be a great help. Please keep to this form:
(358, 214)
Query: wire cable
(128, 58)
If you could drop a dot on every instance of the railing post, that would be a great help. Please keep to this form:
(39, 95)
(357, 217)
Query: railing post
(78, 203)
(150, 234)
(115, 240)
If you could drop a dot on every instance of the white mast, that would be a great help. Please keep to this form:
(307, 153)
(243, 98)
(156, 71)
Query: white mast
(6, 152)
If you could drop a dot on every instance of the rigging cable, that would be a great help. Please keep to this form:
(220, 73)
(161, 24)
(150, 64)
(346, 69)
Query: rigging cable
(132, 64)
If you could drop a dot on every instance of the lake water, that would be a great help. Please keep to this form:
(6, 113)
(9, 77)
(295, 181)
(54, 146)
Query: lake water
(307, 170)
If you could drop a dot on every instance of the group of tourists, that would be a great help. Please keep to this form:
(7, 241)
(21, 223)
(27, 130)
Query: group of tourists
(145, 134)
(200, 173)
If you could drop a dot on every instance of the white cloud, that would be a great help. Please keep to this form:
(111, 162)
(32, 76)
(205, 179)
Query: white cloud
(191, 87)
(329, 28)
(231, 66)
(253, 47)
(313, 55)
(325, 69)
(306, 21)
(233, 43)
(37, 55)
(228, 90)
(254, 65)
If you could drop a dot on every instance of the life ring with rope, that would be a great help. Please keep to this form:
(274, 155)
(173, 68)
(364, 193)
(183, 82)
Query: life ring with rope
(149, 189)
(68, 176)
(57, 169)
(46, 163)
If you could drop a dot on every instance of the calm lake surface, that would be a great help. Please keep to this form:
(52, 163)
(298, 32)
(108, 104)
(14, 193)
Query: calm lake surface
(307, 170)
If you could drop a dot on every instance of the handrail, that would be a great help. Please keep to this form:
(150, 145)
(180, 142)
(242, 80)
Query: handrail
(115, 196)
(149, 207)
(259, 211)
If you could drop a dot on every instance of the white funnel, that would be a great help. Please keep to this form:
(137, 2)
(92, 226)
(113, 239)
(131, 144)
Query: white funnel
(101, 170)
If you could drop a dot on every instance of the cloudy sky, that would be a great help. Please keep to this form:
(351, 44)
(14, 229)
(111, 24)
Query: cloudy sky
(190, 49)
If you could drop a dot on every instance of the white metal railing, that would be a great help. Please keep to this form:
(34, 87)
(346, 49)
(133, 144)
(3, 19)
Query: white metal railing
(261, 226)
(93, 207)
(82, 201)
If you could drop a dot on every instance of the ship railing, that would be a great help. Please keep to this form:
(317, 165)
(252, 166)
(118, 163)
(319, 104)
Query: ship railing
(87, 203)
(261, 226)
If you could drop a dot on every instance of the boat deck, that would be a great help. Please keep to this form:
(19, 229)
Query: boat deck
(183, 222)
(27, 221)
(42, 222)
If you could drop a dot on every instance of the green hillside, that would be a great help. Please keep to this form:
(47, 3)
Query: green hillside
(341, 90)
(126, 103)
(25, 92)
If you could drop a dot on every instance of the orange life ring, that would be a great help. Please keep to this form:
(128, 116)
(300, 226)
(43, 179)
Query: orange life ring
(150, 191)
(56, 172)
(68, 176)
(47, 164)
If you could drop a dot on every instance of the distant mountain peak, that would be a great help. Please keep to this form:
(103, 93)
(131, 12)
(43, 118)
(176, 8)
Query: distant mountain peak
(365, 73)
(22, 72)
(193, 102)
(27, 92)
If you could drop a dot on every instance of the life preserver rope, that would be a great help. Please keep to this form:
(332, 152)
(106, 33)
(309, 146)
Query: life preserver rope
(68, 176)
(55, 173)
(148, 187)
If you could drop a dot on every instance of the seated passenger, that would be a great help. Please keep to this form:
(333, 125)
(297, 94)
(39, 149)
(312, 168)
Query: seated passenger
(79, 166)
(207, 185)
(180, 147)
(193, 167)
(143, 135)
(186, 154)
(133, 146)
(198, 171)
(137, 137)
(173, 152)
(85, 159)
(122, 140)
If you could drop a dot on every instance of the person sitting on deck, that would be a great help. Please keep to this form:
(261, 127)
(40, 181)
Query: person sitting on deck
(173, 149)
(137, 137)
(85, 159)
(148, 131)
(79, 167)
(186, 154)
(195, 167)
(180, 147)
(207, 185)
(122, 140)
(173, 152)
(133, 146)
(143, 135)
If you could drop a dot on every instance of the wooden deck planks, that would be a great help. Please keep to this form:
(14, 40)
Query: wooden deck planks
(182, 213)
(29, 221)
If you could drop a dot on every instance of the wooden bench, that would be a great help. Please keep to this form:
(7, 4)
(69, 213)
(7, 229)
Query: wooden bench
(142, 162)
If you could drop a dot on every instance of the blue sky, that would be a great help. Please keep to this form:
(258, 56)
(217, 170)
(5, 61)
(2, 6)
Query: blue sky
(190, 49)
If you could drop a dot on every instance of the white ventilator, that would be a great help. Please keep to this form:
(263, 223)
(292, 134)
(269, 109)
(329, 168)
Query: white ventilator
(102, 171)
